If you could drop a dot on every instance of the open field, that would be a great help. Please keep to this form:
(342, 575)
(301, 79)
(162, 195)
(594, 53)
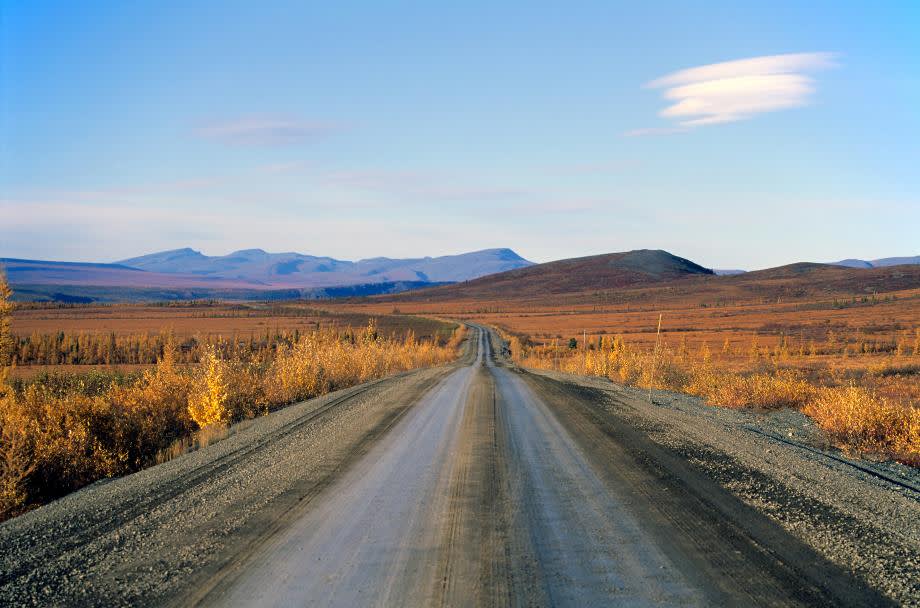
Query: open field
(131, 337)
(821, 332)
(200, 318)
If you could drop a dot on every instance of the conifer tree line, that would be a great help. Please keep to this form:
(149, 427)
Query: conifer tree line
(61, 348)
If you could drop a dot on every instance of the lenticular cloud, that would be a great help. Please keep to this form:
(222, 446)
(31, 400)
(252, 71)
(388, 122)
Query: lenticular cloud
(736, 90)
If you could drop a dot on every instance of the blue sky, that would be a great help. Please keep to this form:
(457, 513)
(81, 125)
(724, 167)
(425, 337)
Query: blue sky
(735, 134)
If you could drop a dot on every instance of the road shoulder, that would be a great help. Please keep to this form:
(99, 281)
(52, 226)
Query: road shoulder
(857, 521)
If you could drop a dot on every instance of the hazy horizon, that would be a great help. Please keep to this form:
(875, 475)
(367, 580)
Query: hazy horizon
(450, 253)
(737, 138)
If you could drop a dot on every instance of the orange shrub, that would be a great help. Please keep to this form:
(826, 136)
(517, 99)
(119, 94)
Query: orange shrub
(859, 418)
(56, 443)
(207, 403)
(57, 437)
(856, 417)
(785, 388)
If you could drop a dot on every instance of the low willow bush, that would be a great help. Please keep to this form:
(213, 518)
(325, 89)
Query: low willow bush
(59, 433)
(858, 418)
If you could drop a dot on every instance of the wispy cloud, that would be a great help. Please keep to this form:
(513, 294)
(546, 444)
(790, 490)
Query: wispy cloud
(409, 185)
(265, 131)
(737, 90)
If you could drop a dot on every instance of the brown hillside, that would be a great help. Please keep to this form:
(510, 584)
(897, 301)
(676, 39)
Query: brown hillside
(608, 280)
(806, 279)
(598, 272)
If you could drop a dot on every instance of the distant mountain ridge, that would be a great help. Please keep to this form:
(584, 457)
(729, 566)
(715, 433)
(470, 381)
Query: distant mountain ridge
(849, 263)
(254, 274)
(247, 274)
(296, 269)
(879, 263)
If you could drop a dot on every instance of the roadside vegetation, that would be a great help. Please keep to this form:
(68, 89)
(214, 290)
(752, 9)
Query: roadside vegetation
(52, 335)
(840, 345)
(871, 410)
(61, 431)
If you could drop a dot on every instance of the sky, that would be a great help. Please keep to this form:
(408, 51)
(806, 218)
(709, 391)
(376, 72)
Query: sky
(736, 134)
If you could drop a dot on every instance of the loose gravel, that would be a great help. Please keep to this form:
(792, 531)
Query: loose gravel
(859, 514)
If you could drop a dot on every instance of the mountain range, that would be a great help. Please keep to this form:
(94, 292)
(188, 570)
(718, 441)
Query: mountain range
(849, 263)
(246, 274)
(854, 263)
(259, 267)
(254, 274)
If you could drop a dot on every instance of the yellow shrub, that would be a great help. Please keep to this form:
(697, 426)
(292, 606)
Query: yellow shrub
(662, 372)
(207, 403)
(862, 419)
(16, 461)
(783, 389)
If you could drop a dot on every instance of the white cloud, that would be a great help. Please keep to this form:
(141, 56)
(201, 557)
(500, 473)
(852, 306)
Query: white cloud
(264, 131)
(737, 90)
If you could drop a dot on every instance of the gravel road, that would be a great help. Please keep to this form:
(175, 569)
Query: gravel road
(480, 484)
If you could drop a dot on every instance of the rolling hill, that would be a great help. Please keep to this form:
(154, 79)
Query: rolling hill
(812, 279)
(597, 272)
(655, 277)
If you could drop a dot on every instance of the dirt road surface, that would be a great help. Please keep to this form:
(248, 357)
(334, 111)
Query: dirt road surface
(480, 484)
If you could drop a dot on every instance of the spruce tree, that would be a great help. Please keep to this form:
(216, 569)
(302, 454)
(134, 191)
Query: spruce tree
(6, 314)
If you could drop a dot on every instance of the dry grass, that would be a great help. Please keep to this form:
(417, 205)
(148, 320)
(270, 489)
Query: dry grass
(859, 418)
(60, 433)
(197, 440)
